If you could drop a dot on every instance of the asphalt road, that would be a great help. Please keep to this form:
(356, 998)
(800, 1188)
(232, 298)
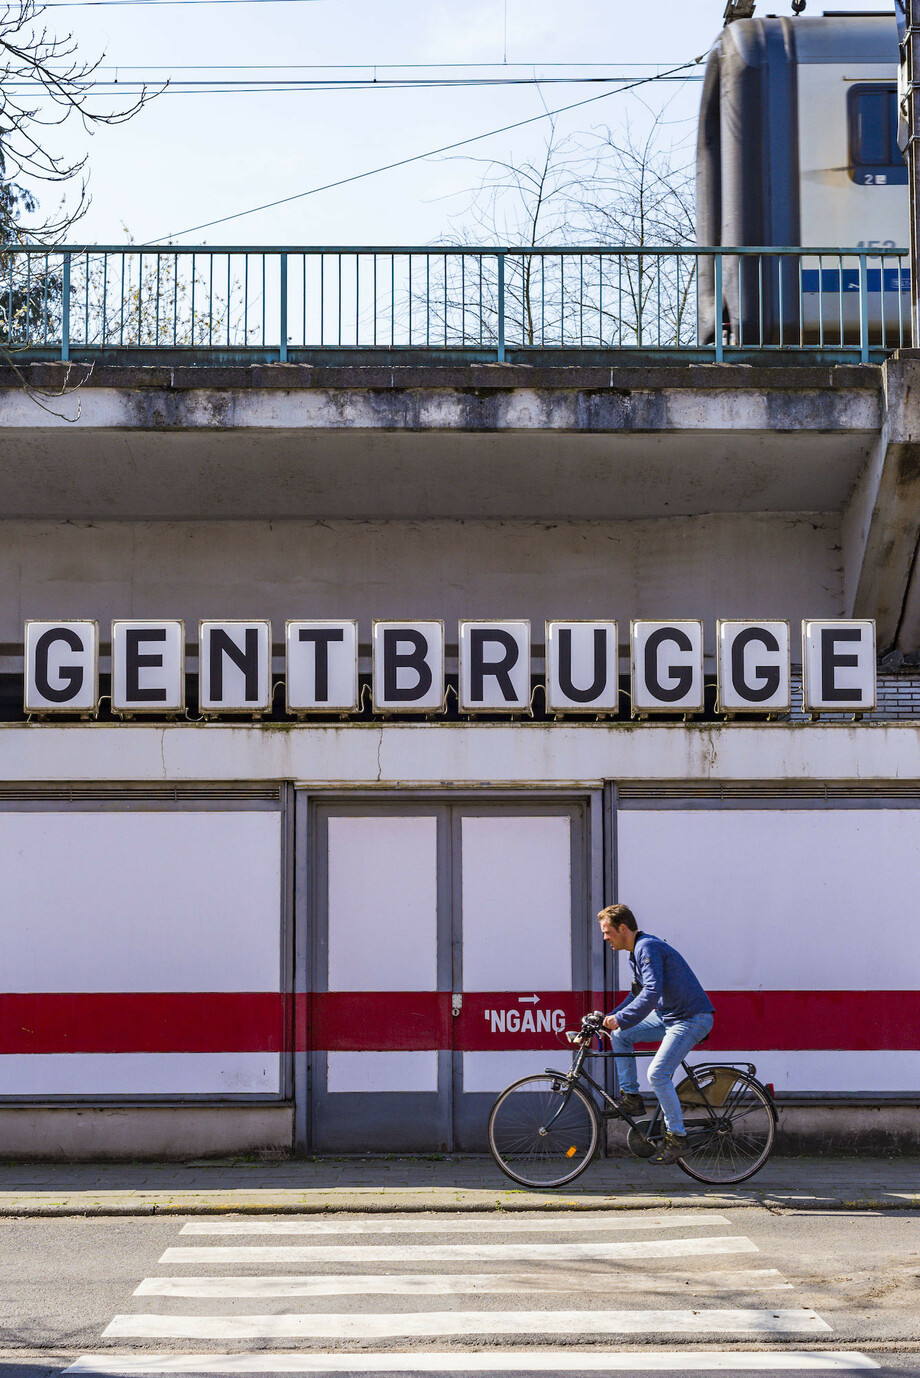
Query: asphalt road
(747, 1290)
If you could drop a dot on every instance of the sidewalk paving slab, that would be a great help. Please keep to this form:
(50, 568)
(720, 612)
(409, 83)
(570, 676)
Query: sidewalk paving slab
(435, 1183)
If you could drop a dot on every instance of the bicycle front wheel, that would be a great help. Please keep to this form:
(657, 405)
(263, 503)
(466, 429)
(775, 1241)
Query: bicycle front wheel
(542, 1131)
(735, 1140)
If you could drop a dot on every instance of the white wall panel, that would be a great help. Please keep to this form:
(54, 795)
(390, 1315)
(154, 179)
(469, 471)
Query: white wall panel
(778, 899)
(493, 1071)
(160, 901)
(367, 1072)
(139, 1074)
(517, 902)
(383, 903)
(824, 1072)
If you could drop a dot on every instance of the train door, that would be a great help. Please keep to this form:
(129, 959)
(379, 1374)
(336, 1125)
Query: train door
(451, 948)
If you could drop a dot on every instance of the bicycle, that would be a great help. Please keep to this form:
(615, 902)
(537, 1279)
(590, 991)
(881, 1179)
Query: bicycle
(544, 1129)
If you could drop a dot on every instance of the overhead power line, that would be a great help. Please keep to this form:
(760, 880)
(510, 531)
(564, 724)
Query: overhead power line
(430, 153)
(183, 86)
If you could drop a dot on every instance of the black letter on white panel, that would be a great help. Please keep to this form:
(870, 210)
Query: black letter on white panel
(396, 657)
(246, 660)
(599, 683)
(71, 675)
(683, 674)
(769, 675)
(135, 662)
(831, 661)
(321, 638)
(500, 669)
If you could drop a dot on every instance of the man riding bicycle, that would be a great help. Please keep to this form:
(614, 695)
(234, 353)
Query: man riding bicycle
(667, 1004)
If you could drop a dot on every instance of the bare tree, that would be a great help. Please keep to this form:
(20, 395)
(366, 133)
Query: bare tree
(630, 191)
(43, 84)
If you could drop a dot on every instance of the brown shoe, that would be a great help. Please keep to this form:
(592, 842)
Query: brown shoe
(674, 1147)
(632, 1103)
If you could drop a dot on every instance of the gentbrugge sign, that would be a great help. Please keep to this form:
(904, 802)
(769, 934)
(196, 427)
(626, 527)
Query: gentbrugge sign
(754, 668)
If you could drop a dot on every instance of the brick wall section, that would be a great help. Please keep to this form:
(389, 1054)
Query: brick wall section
(898, 699)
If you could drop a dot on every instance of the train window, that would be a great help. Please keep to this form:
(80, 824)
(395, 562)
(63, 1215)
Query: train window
(875, 159)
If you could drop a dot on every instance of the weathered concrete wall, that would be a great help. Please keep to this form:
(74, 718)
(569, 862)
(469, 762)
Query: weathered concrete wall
(94, 1132)
(764, 565)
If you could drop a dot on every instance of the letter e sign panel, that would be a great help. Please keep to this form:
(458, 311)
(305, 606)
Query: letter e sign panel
(667, 667)
(234, 667)
(753, 667)
(62, 667)
(838, 666)
(494, 666)
(148, 666)
(408, 667)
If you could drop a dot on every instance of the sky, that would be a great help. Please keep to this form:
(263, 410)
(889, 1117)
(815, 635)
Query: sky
(188, 159)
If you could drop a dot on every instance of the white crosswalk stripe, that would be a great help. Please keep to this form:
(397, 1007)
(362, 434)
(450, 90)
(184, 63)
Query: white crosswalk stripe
(452, 1284)
(571, 1223)
(401, 1325)
(446, 1253)
(358, 1260)
(528, 1361)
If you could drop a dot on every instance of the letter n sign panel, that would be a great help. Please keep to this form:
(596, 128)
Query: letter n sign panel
(62, 667)
(235, 667)
(753, 666)
(494, 667)
(667, 667)
(408, 667)
(838, 666)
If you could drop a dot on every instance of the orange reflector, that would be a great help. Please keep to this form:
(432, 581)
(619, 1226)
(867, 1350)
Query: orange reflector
(570, 1152)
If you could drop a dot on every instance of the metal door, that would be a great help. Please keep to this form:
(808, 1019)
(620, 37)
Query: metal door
(451, 945)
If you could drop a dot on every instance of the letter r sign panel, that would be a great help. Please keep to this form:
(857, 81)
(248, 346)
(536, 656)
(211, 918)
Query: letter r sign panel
(667, 667)
(62, 667)
(838, 666)
(494, 667)
(753, 667)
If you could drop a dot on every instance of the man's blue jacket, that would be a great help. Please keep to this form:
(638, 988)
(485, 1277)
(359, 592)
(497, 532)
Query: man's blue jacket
(668, 985)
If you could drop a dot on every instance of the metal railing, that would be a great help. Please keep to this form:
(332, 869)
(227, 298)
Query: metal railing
(150, 304)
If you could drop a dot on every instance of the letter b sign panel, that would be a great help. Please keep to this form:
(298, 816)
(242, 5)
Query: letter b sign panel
(753, 667)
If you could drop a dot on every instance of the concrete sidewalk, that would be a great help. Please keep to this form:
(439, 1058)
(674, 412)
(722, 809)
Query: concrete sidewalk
(435, 1184)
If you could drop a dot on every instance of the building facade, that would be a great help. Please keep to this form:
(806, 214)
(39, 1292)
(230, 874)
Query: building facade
(344, 928)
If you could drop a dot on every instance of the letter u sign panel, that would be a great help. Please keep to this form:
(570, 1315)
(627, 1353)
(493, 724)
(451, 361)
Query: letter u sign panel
(581, 667)
(494, 667)
(62, 667)
(753, 667)
(667, 667)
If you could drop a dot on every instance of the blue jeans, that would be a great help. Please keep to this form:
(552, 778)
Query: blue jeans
(676, 1041)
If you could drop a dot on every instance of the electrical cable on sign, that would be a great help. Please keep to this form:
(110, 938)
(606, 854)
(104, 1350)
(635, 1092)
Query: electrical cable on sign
(430, 153)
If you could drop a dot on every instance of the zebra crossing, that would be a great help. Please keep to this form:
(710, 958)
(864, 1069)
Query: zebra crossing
(448, 1297)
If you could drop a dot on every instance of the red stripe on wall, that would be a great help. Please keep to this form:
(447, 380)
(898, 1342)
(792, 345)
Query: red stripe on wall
(259, 1021)
(143, 1022)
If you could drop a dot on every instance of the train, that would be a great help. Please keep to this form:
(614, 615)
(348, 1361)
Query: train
(798, 146)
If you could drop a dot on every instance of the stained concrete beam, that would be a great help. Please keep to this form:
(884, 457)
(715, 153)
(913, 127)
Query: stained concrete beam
(881, 526)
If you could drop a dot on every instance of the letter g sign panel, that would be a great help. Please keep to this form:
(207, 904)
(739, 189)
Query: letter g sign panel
(62, 667)
(667, 667)
(753, 665)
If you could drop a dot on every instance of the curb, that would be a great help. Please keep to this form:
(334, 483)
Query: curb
(389, 1205)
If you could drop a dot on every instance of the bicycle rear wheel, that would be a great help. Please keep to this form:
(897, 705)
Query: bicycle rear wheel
(735, 1141)
(542, 1131)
